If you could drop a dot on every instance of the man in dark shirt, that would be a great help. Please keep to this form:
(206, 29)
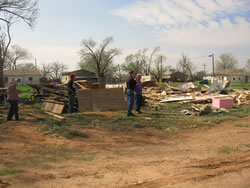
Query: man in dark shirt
(71, 93)
(131, 83)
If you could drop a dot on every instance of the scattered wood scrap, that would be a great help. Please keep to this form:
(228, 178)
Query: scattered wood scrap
(55, 116)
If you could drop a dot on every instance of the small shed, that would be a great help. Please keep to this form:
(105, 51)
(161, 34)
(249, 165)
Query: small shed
(175, 77)
(22, 77)
(80, 75)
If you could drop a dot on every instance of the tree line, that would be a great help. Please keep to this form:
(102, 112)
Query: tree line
(100, 59)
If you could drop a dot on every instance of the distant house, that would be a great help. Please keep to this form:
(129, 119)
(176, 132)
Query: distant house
(233, 76)
(175, 77)
(80, 75)
(22, 77)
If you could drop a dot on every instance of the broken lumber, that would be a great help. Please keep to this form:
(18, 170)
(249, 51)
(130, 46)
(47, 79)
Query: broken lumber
(55, 116)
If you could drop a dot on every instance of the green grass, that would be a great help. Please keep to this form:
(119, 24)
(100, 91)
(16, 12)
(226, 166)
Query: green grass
(37, 106)
(240, 85)
(7, 171)
(166, 117)
(228, 150)
(242, 125)
(75, 133)
(77, 117)
(25, 92)
(62, 128)
(86, 159)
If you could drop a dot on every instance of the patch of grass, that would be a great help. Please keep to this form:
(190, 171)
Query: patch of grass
(75, 133)
(228, 150)
(25, 92)
(25, 95)
(37, 106)
(247, 145)
(77, 117)
(240, 85)
(242, 125)
(86, 159)
(139, 125)
(61, 167)
(6, 171)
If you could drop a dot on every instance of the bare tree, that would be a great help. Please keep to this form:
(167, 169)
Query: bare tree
(26, 67)
(147, 67)
(45, 71)
(135, 62)
(14, 55)
(99, 58)
(186, 66)
(25, 10)
(55, 70)
(12, 11)
(247, 66)
(159, 69)
(226, 61)
(5, 40)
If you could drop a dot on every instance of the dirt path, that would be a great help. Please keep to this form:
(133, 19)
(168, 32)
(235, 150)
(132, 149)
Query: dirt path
(203, 157)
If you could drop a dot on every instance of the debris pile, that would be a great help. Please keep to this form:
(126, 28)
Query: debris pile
(189, 93)
(54, 97)
(50, 93)
(199, 110)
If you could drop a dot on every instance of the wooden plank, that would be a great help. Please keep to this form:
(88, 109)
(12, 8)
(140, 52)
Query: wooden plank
(55, 116)
(48, 106)
(58, 109)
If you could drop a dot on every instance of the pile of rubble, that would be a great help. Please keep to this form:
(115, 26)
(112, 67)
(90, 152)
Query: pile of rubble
(50, 93)
(55, 97)
(200, 109)
(188, 93)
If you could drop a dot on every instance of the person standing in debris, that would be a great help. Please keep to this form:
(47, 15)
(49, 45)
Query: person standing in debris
(131, 83)
(12, 97)
(71, 93)
(138, 94)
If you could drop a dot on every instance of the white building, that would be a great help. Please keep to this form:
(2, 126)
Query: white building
(231, 75)
(22, 77)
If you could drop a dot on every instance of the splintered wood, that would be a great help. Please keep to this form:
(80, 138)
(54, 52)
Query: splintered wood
(84, 84)
(192, 95)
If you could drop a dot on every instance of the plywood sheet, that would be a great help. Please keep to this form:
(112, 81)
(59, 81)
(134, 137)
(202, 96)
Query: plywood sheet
(101, 100)
(108, 99)
(52, 107)
(84, 100)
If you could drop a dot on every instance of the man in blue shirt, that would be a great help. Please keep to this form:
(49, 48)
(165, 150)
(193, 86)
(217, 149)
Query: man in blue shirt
(131, 83)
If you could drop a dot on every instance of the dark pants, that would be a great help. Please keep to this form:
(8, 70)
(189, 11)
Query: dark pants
(13, 110)
(131, 97)
(138, 99)
(71, 103)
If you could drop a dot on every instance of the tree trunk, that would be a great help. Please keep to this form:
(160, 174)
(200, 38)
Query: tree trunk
(1, 75)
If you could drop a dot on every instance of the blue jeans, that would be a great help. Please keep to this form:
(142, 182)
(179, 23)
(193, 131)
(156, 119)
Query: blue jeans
(13, 110)
(138, 99)
(71, 103)
(131, 99)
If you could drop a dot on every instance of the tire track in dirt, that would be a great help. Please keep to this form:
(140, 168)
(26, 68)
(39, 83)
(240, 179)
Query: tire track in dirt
(204, 170)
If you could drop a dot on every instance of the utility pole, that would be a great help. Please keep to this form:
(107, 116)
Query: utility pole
(161, 70)
(204, 65)
(212, 55)
(35, 64)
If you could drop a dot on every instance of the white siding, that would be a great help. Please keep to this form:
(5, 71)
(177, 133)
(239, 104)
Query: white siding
(22, 80)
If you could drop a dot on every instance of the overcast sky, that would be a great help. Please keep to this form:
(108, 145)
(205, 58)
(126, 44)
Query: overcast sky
(194, 27)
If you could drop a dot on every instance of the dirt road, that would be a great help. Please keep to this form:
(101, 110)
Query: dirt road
(201, 157)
